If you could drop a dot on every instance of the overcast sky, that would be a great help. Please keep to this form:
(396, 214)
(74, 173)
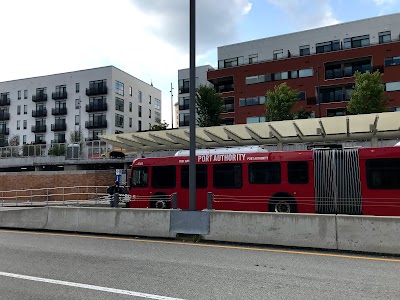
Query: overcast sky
(149, 39)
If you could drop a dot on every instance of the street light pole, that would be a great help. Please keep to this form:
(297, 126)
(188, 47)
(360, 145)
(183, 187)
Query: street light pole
(172, 108)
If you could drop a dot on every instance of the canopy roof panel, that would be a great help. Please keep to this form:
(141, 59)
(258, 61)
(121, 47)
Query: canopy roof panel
(357, 127)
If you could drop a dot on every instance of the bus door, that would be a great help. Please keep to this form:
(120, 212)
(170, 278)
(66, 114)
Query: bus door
(337, 181)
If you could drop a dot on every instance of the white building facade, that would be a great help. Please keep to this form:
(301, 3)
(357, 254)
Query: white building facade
(183, 90)
(105, 100)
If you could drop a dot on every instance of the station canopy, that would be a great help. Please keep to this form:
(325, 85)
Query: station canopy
(318, 130)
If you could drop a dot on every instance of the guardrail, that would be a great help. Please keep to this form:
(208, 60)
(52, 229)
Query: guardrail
(72, 195)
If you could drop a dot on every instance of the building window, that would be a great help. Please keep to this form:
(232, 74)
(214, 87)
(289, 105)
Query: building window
(392, 86)
(183, 86)
(140, 96)
(278, 54)
(77, 87)
(302, 96)
(77, 118)
(24, 139)
(253, 58)
(355, 42)
(25, 109)
(306, 73)
(385, 37)
(119, 88)
(130, 122)
(228, 121)
(251, 101)
(18, 124)
(139, 111)
(229, 104)
(392, 61)
(149, 113)
(18, 109)
(119, 104)
(25, 94)
(19, 95)
(157, 117)
(25, 124)
(130, 106)
(231, 62)
(130, 91)
(252, 79)
(304, 50)
(327, 46)
(184, 119)
(119, 120)
(149, 99)
(251, 120)
(157, 103)
(77, 103)
(139, 125)
(336, 112)
(184, 103)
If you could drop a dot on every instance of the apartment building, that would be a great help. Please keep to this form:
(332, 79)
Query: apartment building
(323, 59)
(106, 100)
(183, 90)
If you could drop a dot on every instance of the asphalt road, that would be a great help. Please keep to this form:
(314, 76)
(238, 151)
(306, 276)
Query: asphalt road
(66, 266)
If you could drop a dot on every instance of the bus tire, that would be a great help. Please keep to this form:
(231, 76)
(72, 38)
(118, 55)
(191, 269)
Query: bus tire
(160, 201)
(282, 203)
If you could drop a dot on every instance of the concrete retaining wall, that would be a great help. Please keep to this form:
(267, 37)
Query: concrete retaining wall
(369, 234)
(28, 218)
(300, 230)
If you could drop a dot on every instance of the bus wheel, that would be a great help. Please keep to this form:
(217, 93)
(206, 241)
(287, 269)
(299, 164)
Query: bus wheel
(160, 201)
(282, 204)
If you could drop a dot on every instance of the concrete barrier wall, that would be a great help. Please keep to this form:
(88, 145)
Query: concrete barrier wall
(28, 218)
(300, 230)
(368, 234)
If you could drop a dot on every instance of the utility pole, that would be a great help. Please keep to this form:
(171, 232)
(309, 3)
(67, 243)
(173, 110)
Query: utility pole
(318, 93)
(172, 107)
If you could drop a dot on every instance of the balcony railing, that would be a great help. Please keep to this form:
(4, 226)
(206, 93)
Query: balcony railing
(96, 107)
(59, 127)
(39, 113)
(4, 130)
(98, 90)
(4, 116)
(40, 142)
(225, 88)
(4, 101)
(39, 128)
(59, 95)
(96, 124)
(59, 111)
(40, 97)
(60, 140)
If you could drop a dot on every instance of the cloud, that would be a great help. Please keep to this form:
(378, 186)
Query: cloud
(216, 21)
(384, 2)
(147, 39)
(307, 14)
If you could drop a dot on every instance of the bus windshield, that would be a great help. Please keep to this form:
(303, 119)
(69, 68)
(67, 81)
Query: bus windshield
(139, 177)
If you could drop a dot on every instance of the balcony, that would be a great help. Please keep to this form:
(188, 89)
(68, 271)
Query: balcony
(96, 90)
(39, 128)
(92, 138)
(226, 88)
(59, 95)
(4, 101)
(60, 111)
(39, 97)
(96, 124)
(59, 140)
(4, 116)
(39, 141)
(93, 107)
(59, 127)
(4, 130)
(39, 113)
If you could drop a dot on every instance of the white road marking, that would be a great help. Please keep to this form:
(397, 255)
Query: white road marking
(88, 286)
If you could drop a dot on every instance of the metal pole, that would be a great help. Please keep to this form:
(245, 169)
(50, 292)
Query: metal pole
(172, 108)
(192, 111)
(318, 94)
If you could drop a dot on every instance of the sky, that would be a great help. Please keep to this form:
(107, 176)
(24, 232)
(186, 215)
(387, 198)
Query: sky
(149, 39)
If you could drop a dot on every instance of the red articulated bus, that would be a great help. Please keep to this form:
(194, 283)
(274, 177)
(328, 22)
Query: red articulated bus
(332, 181)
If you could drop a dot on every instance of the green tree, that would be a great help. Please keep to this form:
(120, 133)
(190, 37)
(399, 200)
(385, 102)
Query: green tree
(159, 126)
(367, 95)
(76, 136)
(209, 106)
(301, 113)
(280, 102)
(57, 150)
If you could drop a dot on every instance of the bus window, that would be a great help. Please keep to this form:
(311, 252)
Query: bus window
(265, 173)
(139, 177)
(227, 176)
(383, 173)
(201, 176)
(163, 177)
(298, 172)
